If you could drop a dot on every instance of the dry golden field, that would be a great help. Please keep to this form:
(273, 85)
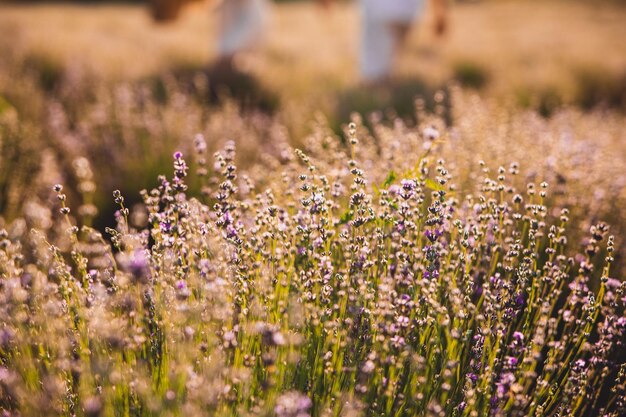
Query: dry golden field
(524, 48)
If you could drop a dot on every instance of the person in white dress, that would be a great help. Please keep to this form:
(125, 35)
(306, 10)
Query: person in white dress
(385, 25)
(242, 24)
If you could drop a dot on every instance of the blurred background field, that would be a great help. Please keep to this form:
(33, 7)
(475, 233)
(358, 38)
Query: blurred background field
(102, 81)
(535, 53)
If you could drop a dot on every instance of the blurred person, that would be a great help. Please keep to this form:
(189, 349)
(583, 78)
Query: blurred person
(385, 26)
(241, 24)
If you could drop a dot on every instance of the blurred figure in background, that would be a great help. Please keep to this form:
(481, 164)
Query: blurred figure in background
(385, 25)
(241, 24)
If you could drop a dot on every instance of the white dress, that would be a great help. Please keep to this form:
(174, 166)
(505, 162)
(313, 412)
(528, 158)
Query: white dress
(379, 40)
(242, 23)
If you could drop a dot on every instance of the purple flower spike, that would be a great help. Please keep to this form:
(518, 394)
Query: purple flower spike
(472, 377)
(519, 300)
(430, 235)
(138, 263)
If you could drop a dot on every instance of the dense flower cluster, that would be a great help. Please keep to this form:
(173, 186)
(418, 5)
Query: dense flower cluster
(356, 279)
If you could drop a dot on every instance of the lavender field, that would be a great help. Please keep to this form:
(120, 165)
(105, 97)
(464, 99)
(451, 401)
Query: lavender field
(450, 243)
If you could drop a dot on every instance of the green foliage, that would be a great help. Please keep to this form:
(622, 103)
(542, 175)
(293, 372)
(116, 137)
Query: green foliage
(470, 74)
(599, 89)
